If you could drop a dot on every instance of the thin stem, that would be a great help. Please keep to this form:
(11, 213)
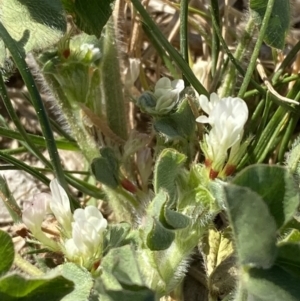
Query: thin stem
(243, 46)
(287, 60)
(233, 60)
(256, 49)
(111, 83)
(215, 49)
(184, 4)
(10, 110)
(174, 54)
(18, 57)
(27, 267)
(37, 140)
(24, 167)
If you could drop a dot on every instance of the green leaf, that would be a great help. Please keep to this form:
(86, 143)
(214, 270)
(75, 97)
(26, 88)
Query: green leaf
(155, 234)
(272, 284)
(276, 187)
(7, 252)
(82, 279)
(167, 167)
(35, 24)
(106, 168)
(121, 278)
(90, 18)
(174, 219)
(51, 288)
(279, 22)
(179, 125)
(253, 227)
(288, 258)
(159, 238)
(116, 234)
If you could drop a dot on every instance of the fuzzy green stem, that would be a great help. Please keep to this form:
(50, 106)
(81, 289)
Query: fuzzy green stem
(256, 49)
(27, 267)
(83, 138)
(241, 293)
(111, 83)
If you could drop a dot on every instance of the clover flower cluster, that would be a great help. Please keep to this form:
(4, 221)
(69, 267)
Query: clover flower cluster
(222, 144)
(81, 233)
(164, 98)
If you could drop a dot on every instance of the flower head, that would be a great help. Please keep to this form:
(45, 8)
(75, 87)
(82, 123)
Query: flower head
(85, 246)
(81, 236)
(163, 99)
(227, 117)
(167, 93)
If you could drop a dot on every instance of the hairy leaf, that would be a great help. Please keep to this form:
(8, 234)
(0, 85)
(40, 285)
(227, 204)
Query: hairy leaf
(254, 229)
(276, 187)
(279, 22)
(51, 288)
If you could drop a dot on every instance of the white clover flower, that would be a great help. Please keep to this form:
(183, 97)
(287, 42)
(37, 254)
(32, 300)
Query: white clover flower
(60, 206)
(85, 246)
(227, 117)
(33, 217)
(167, 93)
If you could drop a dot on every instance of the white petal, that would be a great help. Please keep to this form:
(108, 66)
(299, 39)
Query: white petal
(60, 206)
(204, 119)
(214, 99)
(204, 103)
(163, 83)
(178, 84)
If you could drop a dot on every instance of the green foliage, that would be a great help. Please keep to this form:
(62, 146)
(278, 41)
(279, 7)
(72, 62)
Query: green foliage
(9, 201)
(168, 166)
(6, 252)
(260, 200)
(147, 256)
(272, 284)
(16, 287)
(121, 277)
(279, 22)
(276, 187)
(288, 258)
(82, 279)
(75, 68)
(90, 18)
(53, 286)
(40, 23)
(106, 168)
(158, 237)
(244, 207)
(179, 125)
